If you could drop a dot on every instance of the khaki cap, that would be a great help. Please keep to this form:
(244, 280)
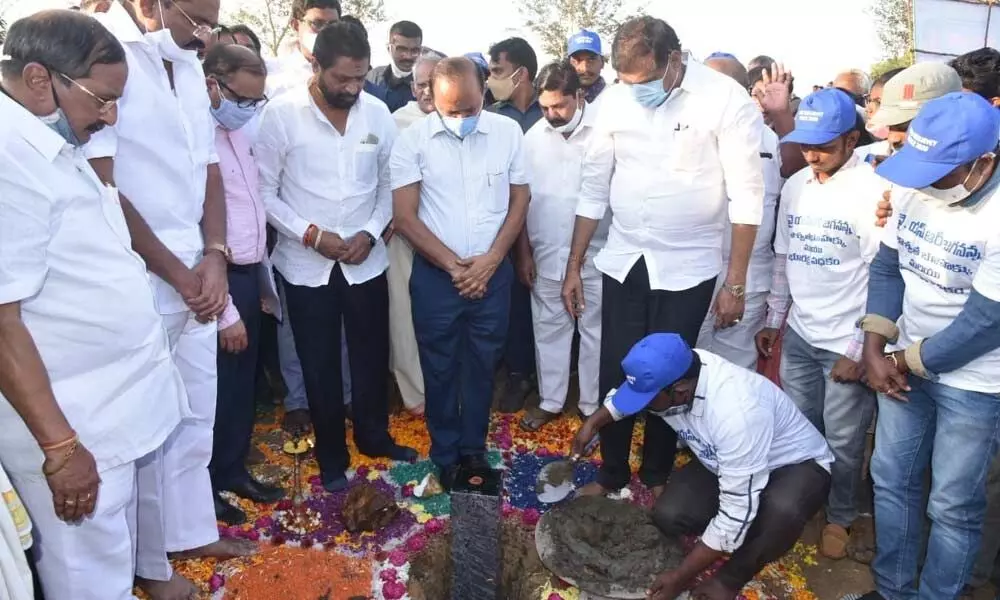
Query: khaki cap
(905, 94)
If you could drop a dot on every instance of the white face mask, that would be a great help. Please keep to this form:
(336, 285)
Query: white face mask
(398, 73)
(573, 123)
(308, 41)
(168, 48)
(953, 194)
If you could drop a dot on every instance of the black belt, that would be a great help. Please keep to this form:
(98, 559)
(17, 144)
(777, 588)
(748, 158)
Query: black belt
(244, 268)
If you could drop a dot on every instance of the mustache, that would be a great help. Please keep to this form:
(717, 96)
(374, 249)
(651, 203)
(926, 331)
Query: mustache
(195, 44)
(95, 127)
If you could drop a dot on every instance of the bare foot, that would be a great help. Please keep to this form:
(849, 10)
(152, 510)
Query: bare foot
(657, 491)
(593, 489)
(178, 588)
(712, 589)
(223, 549)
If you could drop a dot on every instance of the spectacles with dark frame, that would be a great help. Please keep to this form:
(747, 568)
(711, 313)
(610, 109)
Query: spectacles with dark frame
(243, 101)
(106, 106)
(317, 25)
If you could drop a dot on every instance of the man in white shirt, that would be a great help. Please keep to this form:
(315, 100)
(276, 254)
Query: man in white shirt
(404, 356)
(736, 343)
(762, 470)
(90, 394)
(323, 153)
(826, 239)
(161, 155)
(460, 194)
(554, 149)
(674, 148)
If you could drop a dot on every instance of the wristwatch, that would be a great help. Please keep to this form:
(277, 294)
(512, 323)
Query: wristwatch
(226, 252)
(371, 239)
(737, 291)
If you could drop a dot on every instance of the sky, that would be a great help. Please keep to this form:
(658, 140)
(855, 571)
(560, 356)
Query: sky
(815, 44)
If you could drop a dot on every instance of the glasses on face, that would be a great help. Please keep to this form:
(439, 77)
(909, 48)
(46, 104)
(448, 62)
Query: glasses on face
(872, 101)
(199, 30)
(316, 25)
(106, 106)
(243, 101)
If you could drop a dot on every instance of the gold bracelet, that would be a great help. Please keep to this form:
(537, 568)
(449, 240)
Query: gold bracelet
(49, 472)
(891, 357)
(319, 236)
(67, 442)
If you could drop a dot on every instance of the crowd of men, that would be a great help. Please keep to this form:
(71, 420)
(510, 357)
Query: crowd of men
(183, 221)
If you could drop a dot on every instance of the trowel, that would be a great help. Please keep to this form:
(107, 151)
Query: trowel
(555, 480)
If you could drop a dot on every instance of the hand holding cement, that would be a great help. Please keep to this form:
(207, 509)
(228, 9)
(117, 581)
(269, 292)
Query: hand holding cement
(583, 436)
(666, 587)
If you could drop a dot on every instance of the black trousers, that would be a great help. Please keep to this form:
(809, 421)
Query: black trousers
(315, 314)
(630, 312)
(792, 496)
(235, 406)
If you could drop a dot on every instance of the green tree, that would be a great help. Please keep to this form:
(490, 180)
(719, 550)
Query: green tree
(893, 22)
(553, 21)
(899, 62)
(369, 11)
(270, 19)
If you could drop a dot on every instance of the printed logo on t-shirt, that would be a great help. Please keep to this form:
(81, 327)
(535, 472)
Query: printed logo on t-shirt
(707, 453)
(936, 256)
(817, 240)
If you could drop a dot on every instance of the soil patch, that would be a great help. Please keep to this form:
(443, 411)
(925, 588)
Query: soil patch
(607, 546)
(523, 574)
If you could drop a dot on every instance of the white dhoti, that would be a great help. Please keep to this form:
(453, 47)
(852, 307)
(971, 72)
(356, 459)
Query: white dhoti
(403, 354)
(188, 503)
(554, 329)
(736, 343)
(95, 559)
(15, 538)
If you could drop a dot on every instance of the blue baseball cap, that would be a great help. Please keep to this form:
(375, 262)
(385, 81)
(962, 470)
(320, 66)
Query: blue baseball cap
(652, 365)
(584, 40)
(948, 132)
(822, 117)
(721, 55)
(479, 59)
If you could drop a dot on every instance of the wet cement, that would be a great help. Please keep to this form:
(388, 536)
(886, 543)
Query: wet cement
(607, 546)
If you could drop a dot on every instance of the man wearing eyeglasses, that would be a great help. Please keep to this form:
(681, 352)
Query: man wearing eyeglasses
(396, 79)
(309, 17)
(161, 156)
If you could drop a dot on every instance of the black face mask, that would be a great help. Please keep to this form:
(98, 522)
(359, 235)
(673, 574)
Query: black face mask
(341, 101)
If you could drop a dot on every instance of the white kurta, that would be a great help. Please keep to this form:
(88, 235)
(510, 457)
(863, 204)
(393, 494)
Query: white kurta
(15, 538)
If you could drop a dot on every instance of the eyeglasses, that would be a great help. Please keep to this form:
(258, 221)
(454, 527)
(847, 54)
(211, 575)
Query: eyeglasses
(199, 30)
(872, 101)
(316, 24)
(106, 106)
(243, 101)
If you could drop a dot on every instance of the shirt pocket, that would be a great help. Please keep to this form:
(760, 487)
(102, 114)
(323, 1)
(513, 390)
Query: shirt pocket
(365, 168)
(497, 190)
(687, 151)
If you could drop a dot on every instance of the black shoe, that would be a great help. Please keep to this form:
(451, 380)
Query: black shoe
(475, 462)
(335, 483)
(251, 489)
(515, 393)
(868, 596)
(227, 513)
(349, 412)
(447, 477)
(394, 452)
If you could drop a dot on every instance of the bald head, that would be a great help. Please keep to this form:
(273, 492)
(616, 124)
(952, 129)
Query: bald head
(457, 87)
(731, 67)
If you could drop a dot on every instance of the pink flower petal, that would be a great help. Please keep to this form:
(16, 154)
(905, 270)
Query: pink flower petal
(397, 558)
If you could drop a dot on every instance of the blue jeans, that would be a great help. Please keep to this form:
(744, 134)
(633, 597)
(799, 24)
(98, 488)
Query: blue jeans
(840, 411)
(291, 368)
(460, 343)
(954, 433)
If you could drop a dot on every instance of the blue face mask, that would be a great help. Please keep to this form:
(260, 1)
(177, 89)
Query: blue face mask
(652, 94)
(460, 126)
(58, 123)
(231, 115)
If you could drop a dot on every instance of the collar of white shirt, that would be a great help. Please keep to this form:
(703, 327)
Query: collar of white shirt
(851, 163)
(47, 142)
(119, 22)
(482, 125)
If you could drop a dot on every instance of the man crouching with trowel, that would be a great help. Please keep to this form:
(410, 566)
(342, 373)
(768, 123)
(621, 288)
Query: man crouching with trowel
(763, 470)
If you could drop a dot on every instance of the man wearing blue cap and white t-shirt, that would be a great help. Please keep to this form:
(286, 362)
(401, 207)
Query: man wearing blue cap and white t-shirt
(584, 51)
(763, 470)
(826, 238)
(934, 295)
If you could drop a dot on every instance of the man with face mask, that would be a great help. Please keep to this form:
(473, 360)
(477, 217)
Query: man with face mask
(90, 394)
(825, 241)
(395, 80)
(323, 152)
(931, 348)
(674, 149)
(235, 77)
(560, 138)
(513, 65)
(460, 285)
(762, 470)
(161, 155)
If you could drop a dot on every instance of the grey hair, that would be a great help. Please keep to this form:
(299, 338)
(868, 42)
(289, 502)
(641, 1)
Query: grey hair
(427, 55)
(864, 80)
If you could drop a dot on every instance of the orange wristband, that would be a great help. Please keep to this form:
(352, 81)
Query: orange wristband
(310, 236)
